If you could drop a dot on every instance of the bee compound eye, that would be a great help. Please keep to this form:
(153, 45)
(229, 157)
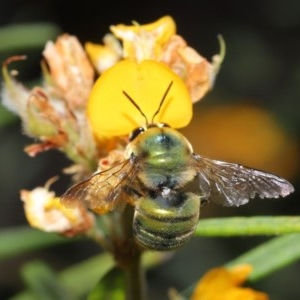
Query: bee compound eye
(135, 133)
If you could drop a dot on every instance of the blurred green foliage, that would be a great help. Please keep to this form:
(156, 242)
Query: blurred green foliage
(27, 36)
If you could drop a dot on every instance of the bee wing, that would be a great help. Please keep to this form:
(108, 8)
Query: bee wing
(233, 184)
(103, 191)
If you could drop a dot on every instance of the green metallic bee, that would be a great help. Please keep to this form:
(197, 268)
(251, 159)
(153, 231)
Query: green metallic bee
(158, 176)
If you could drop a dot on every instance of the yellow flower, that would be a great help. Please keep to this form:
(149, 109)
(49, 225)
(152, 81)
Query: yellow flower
(104, 56)
(110, 111)
(158, 41)
(224, 284)
(44, 211)
(142, 42)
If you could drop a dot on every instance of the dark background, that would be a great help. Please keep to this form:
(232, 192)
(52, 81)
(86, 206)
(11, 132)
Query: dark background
(261, 69)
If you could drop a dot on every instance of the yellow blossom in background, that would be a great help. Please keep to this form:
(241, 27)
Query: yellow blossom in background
(224, 284)
(44, 211)
(246, 134)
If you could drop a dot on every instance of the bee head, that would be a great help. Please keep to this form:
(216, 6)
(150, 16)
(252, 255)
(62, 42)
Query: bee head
(137, 131)
(148, 125)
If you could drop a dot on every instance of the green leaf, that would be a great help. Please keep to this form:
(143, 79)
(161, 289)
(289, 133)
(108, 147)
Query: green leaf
(241, 226)
(27, 36)
(80, 278)
(15, 241)
(42, 281)
(271, 256)
(112, 286)
(83, 277)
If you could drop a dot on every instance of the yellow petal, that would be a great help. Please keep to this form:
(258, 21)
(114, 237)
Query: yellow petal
(145, 41)
(104, 56)
(223, 284)
(112, 114)
(242, 294)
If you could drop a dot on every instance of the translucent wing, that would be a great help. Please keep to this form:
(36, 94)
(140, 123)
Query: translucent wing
(233, 184)
(103, 191)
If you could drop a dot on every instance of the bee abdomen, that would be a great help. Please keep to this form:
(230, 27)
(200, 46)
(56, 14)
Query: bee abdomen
(159, 225)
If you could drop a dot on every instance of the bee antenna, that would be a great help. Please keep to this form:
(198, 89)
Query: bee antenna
(136, 106)
(162, 100)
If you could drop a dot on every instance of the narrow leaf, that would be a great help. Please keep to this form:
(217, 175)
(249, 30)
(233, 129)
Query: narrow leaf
(83, 277)
(43, 282)
(80, 278)
(15, 241)
(241, 226)
(271, 256)
(266, 258)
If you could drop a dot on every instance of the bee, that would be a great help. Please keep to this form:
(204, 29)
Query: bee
(158, 176)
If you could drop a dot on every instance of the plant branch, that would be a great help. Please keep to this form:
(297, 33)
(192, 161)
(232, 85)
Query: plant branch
(135, 279)
(128, 255)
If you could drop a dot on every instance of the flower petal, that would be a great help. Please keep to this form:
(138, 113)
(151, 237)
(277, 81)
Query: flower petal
(223, 284)
(104, 56)
(44, 211)
(14, 95)
(111, 113)
(71, 71)
(145, 41)
(196, 72)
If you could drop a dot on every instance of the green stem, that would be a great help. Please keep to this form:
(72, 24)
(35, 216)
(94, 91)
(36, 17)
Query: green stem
(135, 279)
(128, 256)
